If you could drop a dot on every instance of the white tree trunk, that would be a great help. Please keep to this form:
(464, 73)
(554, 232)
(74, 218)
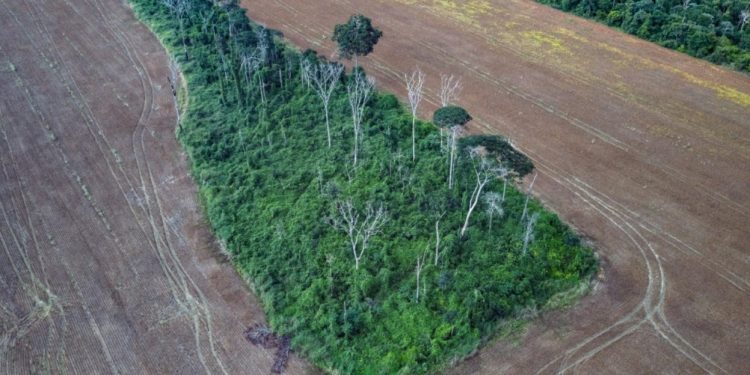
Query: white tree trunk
(437, 241)
(414, 85)
(325, 77)
(328, 124)
(347, 220)
(529, 235)
(451, 170)
(450, 88)
(528, 195)
(475, 195)
(359, 89)
(420, 265)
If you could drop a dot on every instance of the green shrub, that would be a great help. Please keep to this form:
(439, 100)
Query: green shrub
(450, 116)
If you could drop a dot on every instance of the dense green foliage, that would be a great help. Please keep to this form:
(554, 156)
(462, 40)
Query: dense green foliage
(356, 37)
(451, 115)
(709, 29)
(270, 184)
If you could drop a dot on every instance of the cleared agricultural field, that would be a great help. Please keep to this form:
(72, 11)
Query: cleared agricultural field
(106, 265)
(644, 150)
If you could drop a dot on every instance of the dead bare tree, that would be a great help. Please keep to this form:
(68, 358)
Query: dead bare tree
(219, 45)
(505, 176)
(232, 30)
(528, 195)
(485, 171)
(288, 69)
(452, 144)
(261, 34)
(304, 73)
(529, 234)
(179, 9)
(744, 18)
(437, 238)
(450, 88)
(323, 77)
(494, 202)
(359, 89)
(207, 19)
(359, 229)
(249, 63)
(414, 88)
(420, 264)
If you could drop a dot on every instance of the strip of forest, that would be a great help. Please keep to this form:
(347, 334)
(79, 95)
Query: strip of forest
(377, 242)
(714, 30)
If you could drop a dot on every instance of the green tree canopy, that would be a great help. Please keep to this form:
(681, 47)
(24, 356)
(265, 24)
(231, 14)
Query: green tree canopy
(357, 37)
(451, 116)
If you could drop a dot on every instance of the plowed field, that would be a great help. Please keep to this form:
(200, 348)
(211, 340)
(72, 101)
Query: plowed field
(106, 265)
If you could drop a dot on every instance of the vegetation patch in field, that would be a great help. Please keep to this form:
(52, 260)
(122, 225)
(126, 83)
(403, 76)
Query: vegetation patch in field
(359, 250)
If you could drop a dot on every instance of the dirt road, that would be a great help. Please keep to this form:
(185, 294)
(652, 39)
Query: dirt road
(106, 265)
(644, 150)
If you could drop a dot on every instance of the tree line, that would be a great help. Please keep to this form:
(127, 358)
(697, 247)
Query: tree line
(715, 30)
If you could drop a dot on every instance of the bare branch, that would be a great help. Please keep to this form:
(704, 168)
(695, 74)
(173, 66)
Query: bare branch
(207, 19)
(450, 88)
(420, 264)
(485, 170)
(414, 88)
(261, 34)
(452, 142)
(437, 238)
(359, 231)
(359, 89)
(249, 63)
(494, 202)
(305, 67)
(528, 195)
(373, 223)
(529, 235)
(322, 77)
(179, 8)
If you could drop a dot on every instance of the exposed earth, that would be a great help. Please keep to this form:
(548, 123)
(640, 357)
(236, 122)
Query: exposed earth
(644, 150)
(106, 264)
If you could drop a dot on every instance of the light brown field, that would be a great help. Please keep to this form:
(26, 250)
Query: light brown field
(644, 150)
(106, 265)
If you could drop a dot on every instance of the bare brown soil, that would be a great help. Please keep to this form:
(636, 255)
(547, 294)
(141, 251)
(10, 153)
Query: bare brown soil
(644, 150)
(106, 265)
